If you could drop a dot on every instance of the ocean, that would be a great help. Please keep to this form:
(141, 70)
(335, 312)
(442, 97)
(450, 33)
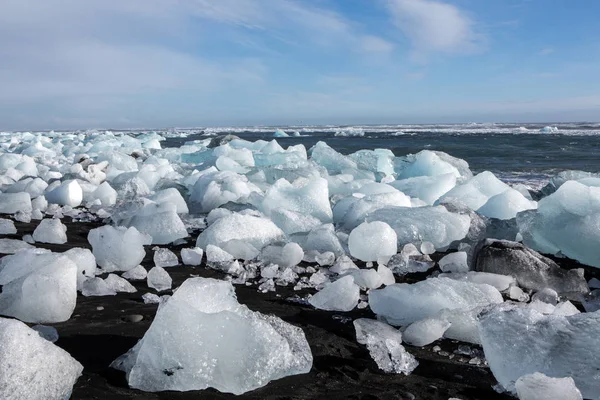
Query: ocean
(526, 153)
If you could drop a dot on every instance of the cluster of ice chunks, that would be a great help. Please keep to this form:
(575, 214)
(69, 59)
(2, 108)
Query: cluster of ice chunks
(240, 350)
(33, 367)
(519, 341)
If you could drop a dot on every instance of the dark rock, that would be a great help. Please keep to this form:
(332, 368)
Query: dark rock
(221, 140)
(530, 268)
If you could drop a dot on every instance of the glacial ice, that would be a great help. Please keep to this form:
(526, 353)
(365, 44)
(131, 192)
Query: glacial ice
(538, 386)
(7, 227)
(69, 193)
(425, 331)
(159, 279)
(164, 258)
(11, 203)
(38, 286)
(372, 240)
(96, 287)
(256, 231)
(341, 295)
(565, 223)
(118, 249)
(86, 264)
(240, 350)
(32, 367)
(118, 284)
(50, 231)
(306, 197)
(138, 273)
(192, 256)
(454, 262)
(12, 246)
(519, 341)
(403, 303)
(385, 346)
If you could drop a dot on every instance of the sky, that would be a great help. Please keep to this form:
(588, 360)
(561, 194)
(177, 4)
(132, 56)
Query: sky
(74, 64)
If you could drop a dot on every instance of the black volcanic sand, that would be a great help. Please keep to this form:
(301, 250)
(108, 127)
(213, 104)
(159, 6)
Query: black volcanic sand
(342, 369)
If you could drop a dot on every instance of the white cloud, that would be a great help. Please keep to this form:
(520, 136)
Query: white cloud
(546, 51)
(374, 44)
(435, 27)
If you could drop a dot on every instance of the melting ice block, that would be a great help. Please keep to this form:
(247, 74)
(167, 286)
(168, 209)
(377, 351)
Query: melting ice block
(454, 262)
(86, 264)
(239, 350)
(403, 303)
(416, 225)
(138, 273)
(118, 249)
(50, 231)
(385, 346)
(192, 256)
(307, 197)
(427, 188)
(541, 387)
(11, 203)
(371, 240)
(341, 295)
(159, 279)
(39, 286)
(119, 285)
(475, 192)
(165, 258)
(214, 189)
(159, 220)
(256, 231)
(12, 246)
(69, 193)
(7, 227)
(506, 205)
(425, 331)
(565, 223)
(519, 341)
(32, 367)
(96, 287)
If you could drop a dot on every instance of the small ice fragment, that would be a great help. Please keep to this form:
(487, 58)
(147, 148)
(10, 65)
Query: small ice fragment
(427, 248)
(454, 262)
(50, 231)
(138, 273)
(341, 295)
(96, 287)
(164, 258)
(159, 279)
(538, 386)
(151, 298)
(192, 256)
(425, 331)
(119, 285)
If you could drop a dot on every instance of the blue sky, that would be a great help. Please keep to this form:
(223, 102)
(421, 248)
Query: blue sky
(159, 63)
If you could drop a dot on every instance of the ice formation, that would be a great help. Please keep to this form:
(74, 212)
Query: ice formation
(50, 231)
(403, 303)
(519, 341)
(341, 295)
(164, 258)
(538, 386)
(425, 331)
(240, 350)
(118, 249)
(159, 279)
(32, 367)
(372, 240)
(192, 256)
(38, 286)
(385, 346)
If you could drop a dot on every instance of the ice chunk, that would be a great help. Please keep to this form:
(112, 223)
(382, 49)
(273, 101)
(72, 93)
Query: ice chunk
(7, 227)
(351, 211)
(96, 287)
(425, 331)
(164, 258)
(335, 162)
(372, 240)
(173, 196)
(32, 367)
(11, 203)
(214, 189)
(477, 191)
(385, 346)
(549, 129)
(86, 264)
(538, 386)
(150, 298)
(240, 249)
(12, 246)
(566, 223)
(506, 205)
(69, 193)
(454, 262)
(427, 163)
(366, 278)
(50, 231)
(119, 284)
(386, 274)
(308, 197)
(415, 225)
(256, 231)
(159, 279)
(403, 304)
(323, 239)
(547, 296)
(105, 194)
(518, 341)
(280, 133)
(565, 308)
(240, 350)
(294, 222)
(138, 273)
(118, 249)
(160, 221)
(427, 188)
(531, 269)
(341, 295)
(39, 287)
(192, 256)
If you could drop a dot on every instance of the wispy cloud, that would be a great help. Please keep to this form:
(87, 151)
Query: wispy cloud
(546, 51)
(435, 27)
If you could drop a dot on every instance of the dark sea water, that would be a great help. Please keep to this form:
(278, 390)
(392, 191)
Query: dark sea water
(528, 153)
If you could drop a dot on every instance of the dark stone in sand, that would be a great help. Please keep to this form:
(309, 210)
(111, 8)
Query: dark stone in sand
(133, 318)
(530, 268)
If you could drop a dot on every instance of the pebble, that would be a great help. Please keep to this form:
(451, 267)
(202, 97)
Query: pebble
(99, 308)
(133, 318)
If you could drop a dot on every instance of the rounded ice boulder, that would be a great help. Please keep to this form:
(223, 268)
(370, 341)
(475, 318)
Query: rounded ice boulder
(371, 240)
